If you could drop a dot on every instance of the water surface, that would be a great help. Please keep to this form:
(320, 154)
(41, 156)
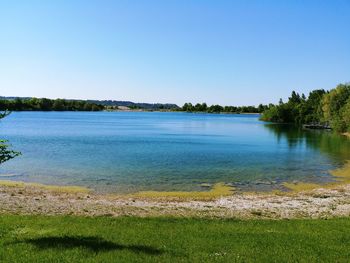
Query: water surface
(132, 151)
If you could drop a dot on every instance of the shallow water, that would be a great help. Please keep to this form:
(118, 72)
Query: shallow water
(132, 151)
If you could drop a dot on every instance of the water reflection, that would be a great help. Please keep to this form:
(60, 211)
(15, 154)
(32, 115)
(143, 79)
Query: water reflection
(335, 146)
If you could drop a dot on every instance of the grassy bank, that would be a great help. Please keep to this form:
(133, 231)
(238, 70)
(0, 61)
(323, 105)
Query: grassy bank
(132, 239)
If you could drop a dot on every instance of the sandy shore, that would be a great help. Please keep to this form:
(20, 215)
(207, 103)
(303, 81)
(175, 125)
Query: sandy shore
(304, 200)
(317, 203)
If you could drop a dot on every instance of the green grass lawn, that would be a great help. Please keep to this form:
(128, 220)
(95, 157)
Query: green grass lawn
(131, 239)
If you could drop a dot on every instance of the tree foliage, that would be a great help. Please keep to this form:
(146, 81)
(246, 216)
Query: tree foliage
(6, 153)
(320, 107)
(203, 107)
(35, 104)
(335, 107)
(4, 114)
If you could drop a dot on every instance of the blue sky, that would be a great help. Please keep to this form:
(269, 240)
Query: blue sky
(225, 52)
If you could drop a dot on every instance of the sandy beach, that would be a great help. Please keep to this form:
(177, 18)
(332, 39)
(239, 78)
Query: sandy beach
(303, 200)
(317, 203)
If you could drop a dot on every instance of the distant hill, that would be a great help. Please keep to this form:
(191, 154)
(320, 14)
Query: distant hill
(116, 103)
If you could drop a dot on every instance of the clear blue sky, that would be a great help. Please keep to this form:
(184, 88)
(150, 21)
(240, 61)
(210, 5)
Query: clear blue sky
(226, 52)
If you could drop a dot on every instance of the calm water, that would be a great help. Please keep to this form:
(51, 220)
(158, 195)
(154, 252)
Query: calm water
(132, 151)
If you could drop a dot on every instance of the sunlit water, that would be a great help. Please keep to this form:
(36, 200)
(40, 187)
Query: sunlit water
(132, 151)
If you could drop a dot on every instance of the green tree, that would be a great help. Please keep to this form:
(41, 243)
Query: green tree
(18, 104)
(188, 107)
(333, 104)
(261, 108)
(345, 114)
(313, 107)
(45, 104)
(320, 107)
(215, 109)
(58, 105)
(6, 153)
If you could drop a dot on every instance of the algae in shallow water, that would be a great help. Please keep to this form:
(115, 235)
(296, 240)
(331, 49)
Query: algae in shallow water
(300, 186)
(343, 173)
(63, 189)
(218, 190)
(342, 176)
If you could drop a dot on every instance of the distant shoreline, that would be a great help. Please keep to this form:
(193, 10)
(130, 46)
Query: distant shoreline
(194, 112)
(45, 104)
(142, 110)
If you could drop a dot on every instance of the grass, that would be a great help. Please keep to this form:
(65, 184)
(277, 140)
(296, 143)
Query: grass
(132, 239)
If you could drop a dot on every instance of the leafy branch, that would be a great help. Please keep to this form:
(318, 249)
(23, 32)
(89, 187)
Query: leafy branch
(4, 114)
(5, 153)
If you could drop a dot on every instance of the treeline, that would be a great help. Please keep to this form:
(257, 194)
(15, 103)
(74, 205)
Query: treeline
(35, 104)
(135, 105)
(328, 108)
(203, 107)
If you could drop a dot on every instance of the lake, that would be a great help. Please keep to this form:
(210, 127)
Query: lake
(123, 152)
